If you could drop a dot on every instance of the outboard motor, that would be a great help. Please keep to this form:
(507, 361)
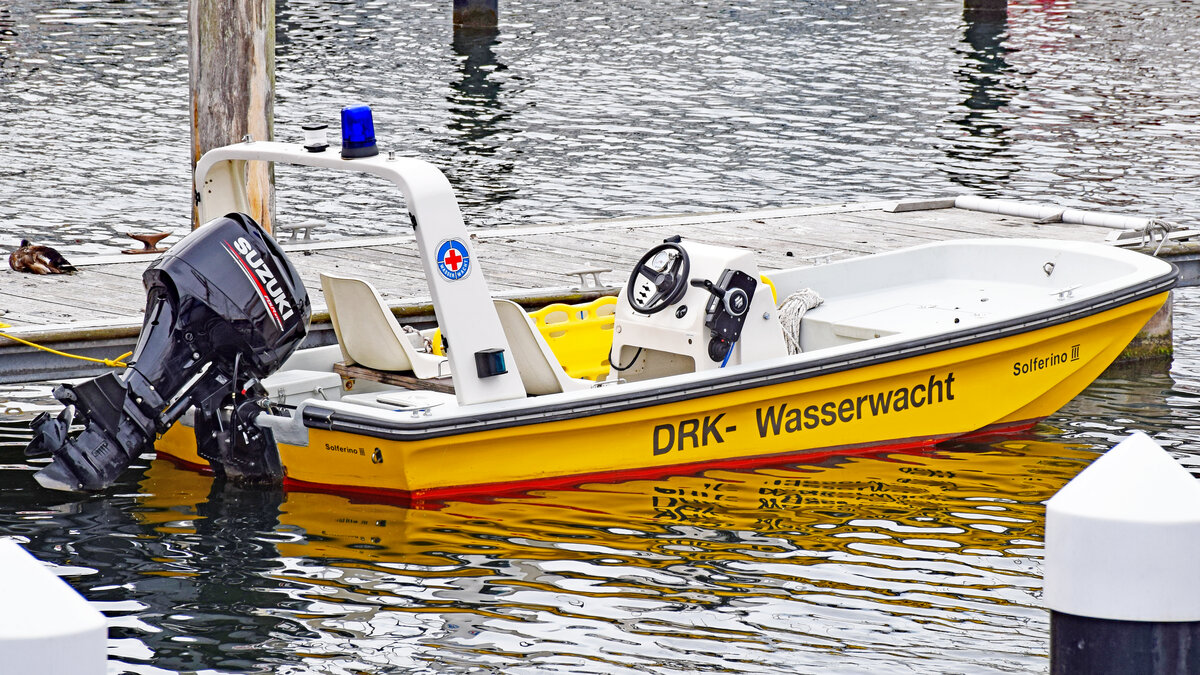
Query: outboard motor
(224, 309)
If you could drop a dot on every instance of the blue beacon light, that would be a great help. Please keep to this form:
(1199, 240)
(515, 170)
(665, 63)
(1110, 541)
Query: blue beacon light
(358, 132)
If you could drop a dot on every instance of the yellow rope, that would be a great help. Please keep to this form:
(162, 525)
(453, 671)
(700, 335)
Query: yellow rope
(112, 363)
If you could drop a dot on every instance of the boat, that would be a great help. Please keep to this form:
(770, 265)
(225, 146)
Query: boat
(701, 360)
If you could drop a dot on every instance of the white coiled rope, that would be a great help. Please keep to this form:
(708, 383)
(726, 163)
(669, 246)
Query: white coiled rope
(791, 311)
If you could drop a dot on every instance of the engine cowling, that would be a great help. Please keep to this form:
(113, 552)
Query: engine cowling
(224, 309)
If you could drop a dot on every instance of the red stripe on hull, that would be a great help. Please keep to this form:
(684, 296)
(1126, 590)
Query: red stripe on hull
(486, 490)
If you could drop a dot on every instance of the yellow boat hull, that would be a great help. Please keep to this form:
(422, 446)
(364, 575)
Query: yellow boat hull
(1004, 383)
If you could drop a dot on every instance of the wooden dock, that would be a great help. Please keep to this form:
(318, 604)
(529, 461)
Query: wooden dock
(98, 311)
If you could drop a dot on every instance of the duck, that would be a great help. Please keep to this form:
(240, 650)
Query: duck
(38, 259)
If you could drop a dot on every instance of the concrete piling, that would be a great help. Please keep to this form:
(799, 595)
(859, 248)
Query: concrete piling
(1156, 339)
(1122, 541)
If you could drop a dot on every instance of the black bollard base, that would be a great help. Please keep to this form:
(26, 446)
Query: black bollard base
(1080, 644)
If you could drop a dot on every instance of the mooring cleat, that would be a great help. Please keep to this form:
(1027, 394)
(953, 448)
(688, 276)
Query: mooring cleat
(149, 242)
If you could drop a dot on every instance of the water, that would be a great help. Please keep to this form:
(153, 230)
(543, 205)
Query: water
(890, 563)
(594, 109)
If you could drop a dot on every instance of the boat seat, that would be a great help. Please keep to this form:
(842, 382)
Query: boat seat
(368, 332)
(541, 373)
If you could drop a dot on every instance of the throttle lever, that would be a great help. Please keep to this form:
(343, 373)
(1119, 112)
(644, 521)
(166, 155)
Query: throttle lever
(709, 286)
(736, 304)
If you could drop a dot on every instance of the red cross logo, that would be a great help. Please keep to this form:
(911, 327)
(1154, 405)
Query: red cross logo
(453, 261)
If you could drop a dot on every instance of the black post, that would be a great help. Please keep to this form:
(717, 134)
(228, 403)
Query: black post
(1080, 644)
(985, 10)
(476, 13)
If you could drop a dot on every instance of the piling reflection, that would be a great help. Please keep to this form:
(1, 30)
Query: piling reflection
(672, 107)
(906, 541)
(982, 136)
(475, 104)
(479, 123)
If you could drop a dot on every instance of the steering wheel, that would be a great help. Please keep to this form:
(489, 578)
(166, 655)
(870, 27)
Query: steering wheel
(659, 279)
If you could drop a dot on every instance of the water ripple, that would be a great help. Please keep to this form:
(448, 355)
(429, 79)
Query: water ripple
(890, 563)
(598, 109)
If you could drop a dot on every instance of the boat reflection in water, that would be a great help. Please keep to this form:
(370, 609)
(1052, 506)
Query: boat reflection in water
(886, 556)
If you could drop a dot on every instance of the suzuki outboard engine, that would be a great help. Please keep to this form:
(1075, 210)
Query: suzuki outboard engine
(224, 309)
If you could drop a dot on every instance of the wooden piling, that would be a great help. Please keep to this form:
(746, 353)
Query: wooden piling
(476, 13)
(231, 64)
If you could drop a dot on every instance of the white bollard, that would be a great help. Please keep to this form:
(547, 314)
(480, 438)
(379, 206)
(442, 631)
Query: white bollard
(1121, 573)
(46, 628)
